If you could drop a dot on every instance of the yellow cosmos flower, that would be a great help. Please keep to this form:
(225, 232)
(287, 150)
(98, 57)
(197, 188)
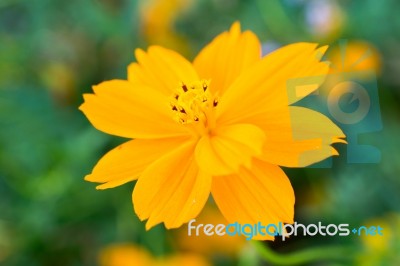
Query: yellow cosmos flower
(222, 124)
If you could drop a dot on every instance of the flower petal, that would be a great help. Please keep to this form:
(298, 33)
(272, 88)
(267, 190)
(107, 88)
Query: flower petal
(127, 161)
(228, 148)
(172, 190)
(297, 136)
(265, 85)
(263, 194)
(123, 109)
(161, 69)
(227, 56)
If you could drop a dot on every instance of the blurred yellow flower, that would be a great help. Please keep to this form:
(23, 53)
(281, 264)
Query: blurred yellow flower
(210, 245)
(222, 124)
(6, 243)
(351, 62)
(124, 255)
(354, 57)
(59, 79)
(381, 249)
(129, 255)
(182, 260)
(157, 22)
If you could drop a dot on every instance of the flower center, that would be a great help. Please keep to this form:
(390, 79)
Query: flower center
(193, 102)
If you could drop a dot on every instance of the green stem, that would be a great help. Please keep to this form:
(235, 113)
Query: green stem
(303, 256)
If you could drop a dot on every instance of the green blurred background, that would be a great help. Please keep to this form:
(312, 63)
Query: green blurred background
(53, 51)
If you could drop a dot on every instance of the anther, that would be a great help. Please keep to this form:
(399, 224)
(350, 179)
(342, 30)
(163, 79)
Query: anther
(191, 102)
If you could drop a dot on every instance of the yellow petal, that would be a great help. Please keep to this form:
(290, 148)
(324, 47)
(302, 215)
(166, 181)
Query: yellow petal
(228, 148)
(127, 161)
(263, 194)
(227, 56)
(297, 136)
(161, 69)
(125, 109)
(171, 190)
(268, 84)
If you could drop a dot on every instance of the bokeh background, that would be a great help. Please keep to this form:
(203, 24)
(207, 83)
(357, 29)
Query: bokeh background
(53, 51)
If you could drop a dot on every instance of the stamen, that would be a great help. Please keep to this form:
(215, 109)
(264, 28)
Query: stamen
(215, 103)
(192, 105)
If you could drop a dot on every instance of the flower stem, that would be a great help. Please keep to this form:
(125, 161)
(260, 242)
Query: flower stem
(304, 256)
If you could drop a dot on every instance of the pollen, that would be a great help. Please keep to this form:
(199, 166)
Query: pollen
(192, 101)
